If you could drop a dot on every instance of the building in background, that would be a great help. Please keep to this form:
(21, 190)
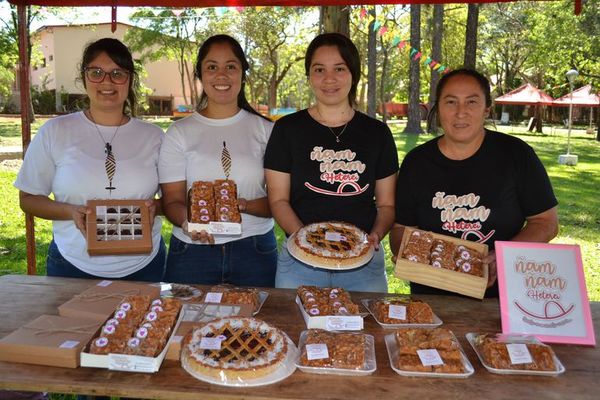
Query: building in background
(57, 72)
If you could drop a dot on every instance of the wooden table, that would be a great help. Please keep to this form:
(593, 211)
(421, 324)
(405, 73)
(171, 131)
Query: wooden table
(24, 298)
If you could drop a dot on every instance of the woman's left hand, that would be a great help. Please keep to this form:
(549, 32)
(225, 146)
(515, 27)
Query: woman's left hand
(374, 240)
(490, 260)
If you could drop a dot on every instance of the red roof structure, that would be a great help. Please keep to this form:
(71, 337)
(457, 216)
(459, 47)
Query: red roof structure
(525, 95)
(582, 97)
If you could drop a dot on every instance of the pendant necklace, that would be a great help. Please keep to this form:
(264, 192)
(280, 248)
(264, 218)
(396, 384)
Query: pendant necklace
(337, 135)
(110, 164)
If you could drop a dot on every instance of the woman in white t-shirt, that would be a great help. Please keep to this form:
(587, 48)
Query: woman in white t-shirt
(100, 153)
(192, 152)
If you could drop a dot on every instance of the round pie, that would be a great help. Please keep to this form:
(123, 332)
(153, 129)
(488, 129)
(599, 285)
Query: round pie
(332, 245)
(249, 348)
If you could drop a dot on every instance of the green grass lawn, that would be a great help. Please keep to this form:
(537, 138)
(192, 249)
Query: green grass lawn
(576, 188)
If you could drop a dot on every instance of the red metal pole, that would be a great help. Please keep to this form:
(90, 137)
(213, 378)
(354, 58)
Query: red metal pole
(26, 123)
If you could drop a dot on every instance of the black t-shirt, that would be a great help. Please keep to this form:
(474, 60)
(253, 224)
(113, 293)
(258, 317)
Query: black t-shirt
(483, 198)
(332, 181)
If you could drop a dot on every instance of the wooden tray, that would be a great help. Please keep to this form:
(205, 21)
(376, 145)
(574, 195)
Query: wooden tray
(441, 278)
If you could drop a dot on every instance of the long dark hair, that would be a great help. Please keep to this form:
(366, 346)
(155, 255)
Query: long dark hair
(121, 56)
(482, 81)
(238, 52)
(348, 52)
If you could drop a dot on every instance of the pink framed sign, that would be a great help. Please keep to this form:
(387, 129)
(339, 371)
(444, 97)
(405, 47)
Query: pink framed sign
(543, 292)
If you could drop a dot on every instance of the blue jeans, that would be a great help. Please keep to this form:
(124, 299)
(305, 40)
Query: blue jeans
(292, 273)
(57, 265)
(251, 261)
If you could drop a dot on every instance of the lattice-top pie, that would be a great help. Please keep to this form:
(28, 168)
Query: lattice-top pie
(332, 244)
(249, 348)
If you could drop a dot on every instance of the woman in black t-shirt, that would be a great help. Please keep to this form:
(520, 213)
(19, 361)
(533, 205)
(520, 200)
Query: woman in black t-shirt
(473, 183)
(331, 162)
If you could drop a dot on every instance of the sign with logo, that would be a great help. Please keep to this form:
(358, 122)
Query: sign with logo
(543, 292)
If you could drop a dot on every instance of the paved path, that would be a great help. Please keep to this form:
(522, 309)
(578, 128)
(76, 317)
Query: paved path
(10, 152)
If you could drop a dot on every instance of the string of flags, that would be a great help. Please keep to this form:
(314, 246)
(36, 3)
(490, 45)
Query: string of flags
(414, 54)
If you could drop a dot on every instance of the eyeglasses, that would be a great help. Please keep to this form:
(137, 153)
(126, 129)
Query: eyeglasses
(96, 75)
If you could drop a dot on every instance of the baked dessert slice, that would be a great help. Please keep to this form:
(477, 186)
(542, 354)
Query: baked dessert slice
(326, 301)
(495, 354)
(331, 245)
(249, 348)
(235, 295)
(411, 341)
(345, 350)
(416, 312)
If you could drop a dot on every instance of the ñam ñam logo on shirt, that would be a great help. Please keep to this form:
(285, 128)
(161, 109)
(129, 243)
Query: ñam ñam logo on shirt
(461, 214)
(338, 167)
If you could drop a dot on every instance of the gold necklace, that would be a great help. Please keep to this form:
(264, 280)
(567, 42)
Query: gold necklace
(337, 135)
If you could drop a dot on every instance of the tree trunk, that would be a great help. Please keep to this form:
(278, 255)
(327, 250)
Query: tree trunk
(384, 65)
(372, 68)
(414, 108)
(436, 54)
(335, 19)
(272, 93)
(471, 36)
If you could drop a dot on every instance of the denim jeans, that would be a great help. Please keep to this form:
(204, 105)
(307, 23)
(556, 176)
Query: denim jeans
(250, 261)
(57, 265)
(292, 273)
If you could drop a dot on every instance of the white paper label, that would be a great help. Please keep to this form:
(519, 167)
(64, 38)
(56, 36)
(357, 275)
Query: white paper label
(165, 286)
(121, 362)
(353, 323)
(213, 297)
(316, 351)
(69, 344)
(430, 357)
(211, 343)
(397, 312)
(104, 283)
(334, 236)
(518, 353)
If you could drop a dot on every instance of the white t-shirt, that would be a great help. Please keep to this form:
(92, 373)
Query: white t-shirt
(66, 158)
(192, 150)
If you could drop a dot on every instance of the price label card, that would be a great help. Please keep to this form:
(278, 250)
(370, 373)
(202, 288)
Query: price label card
(518, 353)
(397, 312)
(211, 343)
(429, 357)
(334, 236)
(69, 344)
(121, 362)
(352, 323)
(213, 297)
(316, 351)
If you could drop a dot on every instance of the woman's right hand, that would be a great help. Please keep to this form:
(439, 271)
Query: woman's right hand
(202, 236)
(79, 215)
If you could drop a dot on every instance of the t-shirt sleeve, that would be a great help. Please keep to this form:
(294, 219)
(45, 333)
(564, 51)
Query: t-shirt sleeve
(171, 161)
(278, 155)
(406, 205)
(37, 172)
(534, 187)
(388, 159)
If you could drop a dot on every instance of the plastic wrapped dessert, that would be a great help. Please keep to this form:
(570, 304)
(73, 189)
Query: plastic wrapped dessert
(507, 354)
(401, 310)
(343, 353)
(227, 294)
(234, 349)
(331, 245)
(326, 301)
(427, 352)
(423, 248)
(214, 202)
(138, 326)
